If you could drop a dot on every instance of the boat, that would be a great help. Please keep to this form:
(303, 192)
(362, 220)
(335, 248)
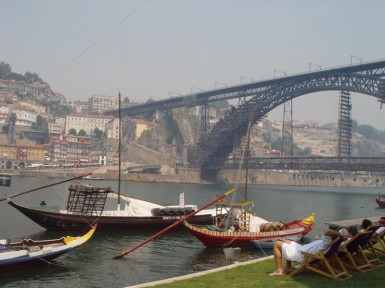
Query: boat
(269, 243)
(86, 205)
(89, 202)
(236, 224)
(90, 177)
(242, 227)
(29, 252)
(381, 200)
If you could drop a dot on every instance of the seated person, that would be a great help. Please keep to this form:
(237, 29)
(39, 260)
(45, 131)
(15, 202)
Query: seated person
(291, 250)
(365, 224)
(347, 234)
(381, 229)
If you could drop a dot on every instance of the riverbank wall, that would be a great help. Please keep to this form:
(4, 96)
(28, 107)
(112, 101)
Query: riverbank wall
(258, 177)
(111, 173)
(303, 178)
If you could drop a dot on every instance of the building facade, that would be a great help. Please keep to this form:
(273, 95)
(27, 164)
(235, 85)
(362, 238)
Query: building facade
(101, 103)
(87, 122)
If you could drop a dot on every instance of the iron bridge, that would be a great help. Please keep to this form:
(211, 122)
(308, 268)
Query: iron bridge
(259, 98)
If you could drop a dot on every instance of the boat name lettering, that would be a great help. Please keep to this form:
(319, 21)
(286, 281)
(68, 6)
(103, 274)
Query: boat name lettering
(171, 217)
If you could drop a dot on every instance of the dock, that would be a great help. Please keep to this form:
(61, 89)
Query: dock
(352, 222)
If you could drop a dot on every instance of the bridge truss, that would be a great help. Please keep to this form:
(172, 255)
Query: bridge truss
(214, 147)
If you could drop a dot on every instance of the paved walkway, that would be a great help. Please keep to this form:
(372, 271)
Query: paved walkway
(170, 280)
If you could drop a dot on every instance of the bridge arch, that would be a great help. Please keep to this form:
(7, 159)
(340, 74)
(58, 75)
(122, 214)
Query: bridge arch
(214, 148)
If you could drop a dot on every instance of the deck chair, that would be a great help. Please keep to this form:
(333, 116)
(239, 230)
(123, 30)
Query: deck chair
(372, 253)
(352, 255)
(325, 262)
(378, 243)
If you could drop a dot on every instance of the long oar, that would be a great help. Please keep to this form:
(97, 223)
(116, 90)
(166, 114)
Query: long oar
(57, 183)
(173, 225)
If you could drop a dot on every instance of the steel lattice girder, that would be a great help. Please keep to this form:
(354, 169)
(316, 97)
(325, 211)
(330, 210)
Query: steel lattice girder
(374, 69)
(270, 98)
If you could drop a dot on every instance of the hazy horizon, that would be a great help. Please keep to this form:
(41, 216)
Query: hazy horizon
(157, 49)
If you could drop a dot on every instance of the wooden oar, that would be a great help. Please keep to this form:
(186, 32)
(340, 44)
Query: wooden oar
(173, 225)
(57, 183)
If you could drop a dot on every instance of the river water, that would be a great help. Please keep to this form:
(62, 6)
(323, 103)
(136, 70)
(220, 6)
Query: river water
(173, 254)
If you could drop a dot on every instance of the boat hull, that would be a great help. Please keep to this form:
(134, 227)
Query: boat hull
(27, 253)
(60, 221)
(232, 239)
(380, 203)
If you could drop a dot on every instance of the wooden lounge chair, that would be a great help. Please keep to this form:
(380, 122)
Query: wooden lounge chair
(373, 255)
(325, 262)
(378, 243)
(352, 255)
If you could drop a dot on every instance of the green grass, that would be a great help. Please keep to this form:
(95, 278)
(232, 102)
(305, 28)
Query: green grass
(256, 275)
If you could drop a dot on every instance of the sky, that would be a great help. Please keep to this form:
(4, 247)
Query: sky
(156, 49)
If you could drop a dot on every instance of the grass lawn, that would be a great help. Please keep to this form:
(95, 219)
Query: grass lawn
(256, 275)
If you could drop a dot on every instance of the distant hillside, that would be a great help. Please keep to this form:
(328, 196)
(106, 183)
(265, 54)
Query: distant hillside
(369, 132)
(6, 73)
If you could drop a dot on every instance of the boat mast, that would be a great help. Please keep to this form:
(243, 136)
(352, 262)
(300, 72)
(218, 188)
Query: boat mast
(247, 154)
(119, 154)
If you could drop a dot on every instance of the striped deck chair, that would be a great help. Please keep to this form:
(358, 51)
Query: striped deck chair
(352, 255)
(325, 262)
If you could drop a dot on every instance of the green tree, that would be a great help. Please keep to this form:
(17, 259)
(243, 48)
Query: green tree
(98, 133)
(32, 77)
(63, 110)
(82, 132)
(72, 131)
(5, 70)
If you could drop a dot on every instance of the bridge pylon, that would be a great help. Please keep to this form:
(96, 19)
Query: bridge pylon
(287, 129)
(344, 126)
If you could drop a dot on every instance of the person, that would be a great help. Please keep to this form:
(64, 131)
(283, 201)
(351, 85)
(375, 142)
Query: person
(381, 229)
(365, 224)
(291, 250)
(348, 234)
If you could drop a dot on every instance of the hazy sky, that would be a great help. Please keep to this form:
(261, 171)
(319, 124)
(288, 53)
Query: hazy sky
(161, 48)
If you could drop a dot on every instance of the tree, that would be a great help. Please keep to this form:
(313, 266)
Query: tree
(32, 77)
(5, 70)
(62, 110)
(98, 133)
(72, 131)
(82, 132)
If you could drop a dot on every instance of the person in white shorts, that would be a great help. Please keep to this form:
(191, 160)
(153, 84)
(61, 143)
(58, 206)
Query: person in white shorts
(292, 251)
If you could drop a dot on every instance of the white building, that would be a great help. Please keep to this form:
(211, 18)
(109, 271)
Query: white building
(101, 103)
(55, 129)
(87, 122)
(112, 129)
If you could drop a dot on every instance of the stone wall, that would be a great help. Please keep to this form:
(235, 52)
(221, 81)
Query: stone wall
(302, 178)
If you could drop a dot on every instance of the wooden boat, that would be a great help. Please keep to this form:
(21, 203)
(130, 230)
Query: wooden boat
(269, 243)
(241, 227)
(236, 225)
(381, 200)
(90, 177)
(86, 206)
(28, 252)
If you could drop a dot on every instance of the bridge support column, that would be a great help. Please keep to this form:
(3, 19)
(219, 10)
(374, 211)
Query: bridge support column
(344, 126)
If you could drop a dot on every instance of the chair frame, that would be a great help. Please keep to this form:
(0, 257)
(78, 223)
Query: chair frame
(352, 255)
(369, 246)
(378, 239)
(319, 262)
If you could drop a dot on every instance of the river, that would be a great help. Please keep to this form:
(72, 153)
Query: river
(173, 254)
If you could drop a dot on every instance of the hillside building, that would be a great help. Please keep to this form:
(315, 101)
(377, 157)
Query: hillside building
(87, 122)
